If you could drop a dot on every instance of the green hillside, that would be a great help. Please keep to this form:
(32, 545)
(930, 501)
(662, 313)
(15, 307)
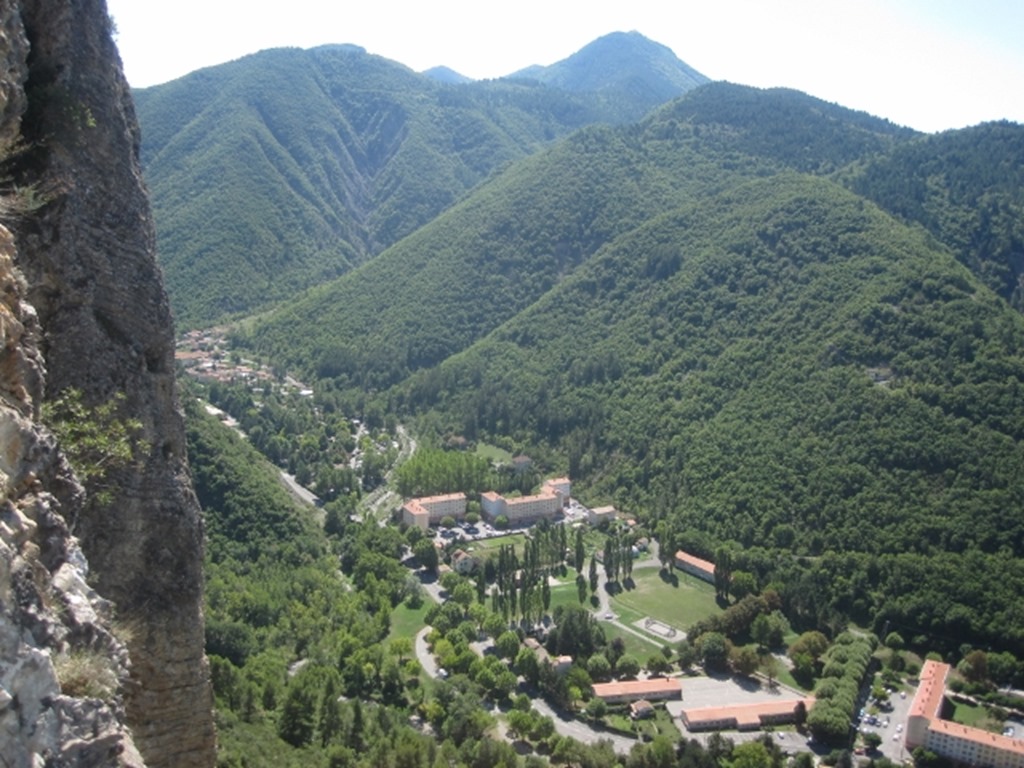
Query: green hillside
(782, 366)
(967, 189)
(287, 168)
(436, 292)
(682, 318)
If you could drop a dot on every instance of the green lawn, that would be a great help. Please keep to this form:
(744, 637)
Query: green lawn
(661, 723)
(678, 602)
(486, 546)
(406, 622)
(635, 645)
(976, 716)
(493, 453)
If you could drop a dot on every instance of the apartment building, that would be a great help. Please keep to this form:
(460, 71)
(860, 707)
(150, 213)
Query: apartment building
(972, 746)
(431, 510)
(547, 504)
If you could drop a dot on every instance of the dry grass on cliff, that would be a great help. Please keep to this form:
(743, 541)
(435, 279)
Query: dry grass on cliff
(86, 675)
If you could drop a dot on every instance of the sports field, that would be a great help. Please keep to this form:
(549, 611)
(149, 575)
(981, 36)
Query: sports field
(674, 598)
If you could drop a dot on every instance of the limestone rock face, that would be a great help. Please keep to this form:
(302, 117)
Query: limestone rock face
(60, 667)
(87, 254)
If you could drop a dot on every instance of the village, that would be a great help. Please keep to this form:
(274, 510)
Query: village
(690, 702)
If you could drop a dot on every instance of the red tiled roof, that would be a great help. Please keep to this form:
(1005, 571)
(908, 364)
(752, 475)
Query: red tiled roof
(930, 690)
(654, 685)
(744, 714)
(695, 562)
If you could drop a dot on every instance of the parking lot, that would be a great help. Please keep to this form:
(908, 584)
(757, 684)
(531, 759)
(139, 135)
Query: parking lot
(890, 726)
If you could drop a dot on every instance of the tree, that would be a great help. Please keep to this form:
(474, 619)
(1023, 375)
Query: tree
(581, 588)
(426, 554)
(596, 708)
(507, 644)
(494, 624)
(94, 438)
(761, 631)
(770, 668)
(745, 660)
(872, 740)
(526, 664)
(599, 667)
(686, 654)
(723, 572)
(713, 649)
(579, 555)
(400, 647)
(298, 712)
(974, 666)
(628, 665)
(657, 664)
(751, 754)
(894, 640)
(593, 576)
(742, 584)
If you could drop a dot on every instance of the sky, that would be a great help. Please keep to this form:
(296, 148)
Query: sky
(928, 64)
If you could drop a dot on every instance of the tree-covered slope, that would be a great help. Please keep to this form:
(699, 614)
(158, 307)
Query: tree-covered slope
(966, 188)
(488, 258)
(283, 169)
(784, 354)
(781, 366)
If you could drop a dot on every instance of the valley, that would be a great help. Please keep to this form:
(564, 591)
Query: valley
(779, 336)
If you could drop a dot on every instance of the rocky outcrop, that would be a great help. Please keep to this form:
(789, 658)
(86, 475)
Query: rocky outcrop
(61, 669)
(88, 257)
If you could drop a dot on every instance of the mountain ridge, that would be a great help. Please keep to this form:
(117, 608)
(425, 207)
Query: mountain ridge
(319, 159)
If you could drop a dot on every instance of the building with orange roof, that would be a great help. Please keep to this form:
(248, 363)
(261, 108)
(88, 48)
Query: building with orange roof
(431, 510)
(702, 569)
(547, 504)
(743, 717)
(927, 703)
(961, 743)
(652, 689)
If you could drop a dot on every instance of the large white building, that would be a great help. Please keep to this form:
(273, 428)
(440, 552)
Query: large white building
(962, 743)
(431, 510)
(547, 504)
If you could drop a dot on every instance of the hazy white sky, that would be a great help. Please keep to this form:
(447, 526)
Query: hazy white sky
(929, 64)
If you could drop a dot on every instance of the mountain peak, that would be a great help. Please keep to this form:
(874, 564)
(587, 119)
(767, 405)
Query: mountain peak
(626, 63)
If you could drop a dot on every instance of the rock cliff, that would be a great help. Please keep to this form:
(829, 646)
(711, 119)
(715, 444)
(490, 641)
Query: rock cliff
(91, 311)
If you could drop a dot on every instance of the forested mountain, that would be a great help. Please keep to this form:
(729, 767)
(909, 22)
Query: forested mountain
(967, 189)
(631, 72)
(496, 253)
(705, 319)
(286, 168)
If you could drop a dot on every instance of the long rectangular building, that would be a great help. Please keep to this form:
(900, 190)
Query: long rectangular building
(527, 509)
(431, 510)
(653, 689)
(961, 743)
(744, 717)
(702, 569)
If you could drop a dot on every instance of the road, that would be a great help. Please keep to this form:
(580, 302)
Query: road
(564, 726)
(383, 495)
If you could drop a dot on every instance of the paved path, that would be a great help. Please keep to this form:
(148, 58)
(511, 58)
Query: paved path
(423, 654)
(580, 731)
